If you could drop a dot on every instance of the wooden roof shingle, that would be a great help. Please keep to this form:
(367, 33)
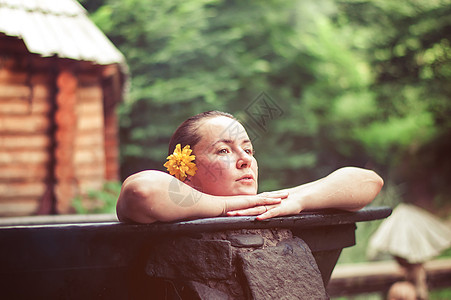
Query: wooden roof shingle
(60, 28)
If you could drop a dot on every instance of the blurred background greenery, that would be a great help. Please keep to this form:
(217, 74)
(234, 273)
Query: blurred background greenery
(363, 83)
(359, 82)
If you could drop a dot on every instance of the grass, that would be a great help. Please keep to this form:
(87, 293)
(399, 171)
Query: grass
(357, 253)
(441, 294)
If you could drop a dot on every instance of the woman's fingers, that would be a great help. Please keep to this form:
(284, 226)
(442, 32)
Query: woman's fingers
(257, 210)
(253, 205)
(266, 200)
(248, 211)
(264, 211)
(285, 208)
(270, 213)
(243, 203)
(277, 194)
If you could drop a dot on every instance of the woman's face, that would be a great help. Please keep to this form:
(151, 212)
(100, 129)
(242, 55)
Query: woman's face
(225, 159)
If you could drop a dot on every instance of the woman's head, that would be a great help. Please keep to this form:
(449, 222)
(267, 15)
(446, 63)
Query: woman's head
(188, 132)
(224, 154)
(402, 290)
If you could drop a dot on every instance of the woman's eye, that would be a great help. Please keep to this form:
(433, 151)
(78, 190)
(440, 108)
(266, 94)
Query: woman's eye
(223, 151)
(249, 151)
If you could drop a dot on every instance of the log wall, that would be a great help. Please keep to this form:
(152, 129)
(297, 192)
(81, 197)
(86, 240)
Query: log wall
(53, 132)
(89, 159)
(25, 123)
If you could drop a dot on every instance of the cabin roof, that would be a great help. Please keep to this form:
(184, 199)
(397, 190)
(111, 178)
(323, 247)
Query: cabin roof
(60, 28)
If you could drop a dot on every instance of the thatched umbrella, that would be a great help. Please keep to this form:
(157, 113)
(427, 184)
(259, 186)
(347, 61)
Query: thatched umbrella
(412, 234)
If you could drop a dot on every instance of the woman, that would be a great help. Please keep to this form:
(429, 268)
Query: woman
(222, 180)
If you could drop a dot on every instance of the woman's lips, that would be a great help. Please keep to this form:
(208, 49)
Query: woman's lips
(246, 178)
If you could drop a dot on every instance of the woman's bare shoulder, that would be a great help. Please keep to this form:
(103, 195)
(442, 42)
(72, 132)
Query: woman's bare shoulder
(145, 175)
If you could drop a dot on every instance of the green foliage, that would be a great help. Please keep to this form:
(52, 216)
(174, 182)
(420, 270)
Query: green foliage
(388, 138)
(362, 83)
(441, 294)
(100, 201)
(390, 196)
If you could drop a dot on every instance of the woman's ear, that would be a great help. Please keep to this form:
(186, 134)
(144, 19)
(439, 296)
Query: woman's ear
(188, 181)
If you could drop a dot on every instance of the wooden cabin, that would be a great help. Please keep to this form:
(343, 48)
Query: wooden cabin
(60, 82)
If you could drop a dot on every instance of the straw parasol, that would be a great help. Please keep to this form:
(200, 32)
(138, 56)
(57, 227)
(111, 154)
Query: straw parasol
(410, 233)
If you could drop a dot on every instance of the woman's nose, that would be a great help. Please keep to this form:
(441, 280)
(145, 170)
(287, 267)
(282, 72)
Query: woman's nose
(244, 160)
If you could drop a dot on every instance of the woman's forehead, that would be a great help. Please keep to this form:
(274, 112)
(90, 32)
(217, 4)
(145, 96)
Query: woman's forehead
(222, 128)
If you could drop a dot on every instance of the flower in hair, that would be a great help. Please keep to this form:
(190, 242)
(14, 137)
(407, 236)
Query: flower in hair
(180, 163)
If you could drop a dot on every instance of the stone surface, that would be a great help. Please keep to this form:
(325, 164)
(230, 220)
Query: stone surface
(187, 258)
(244, 264)
(205, 292)
(246, 240)
(285, 271)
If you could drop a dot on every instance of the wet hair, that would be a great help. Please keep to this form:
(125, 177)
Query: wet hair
(187, 132)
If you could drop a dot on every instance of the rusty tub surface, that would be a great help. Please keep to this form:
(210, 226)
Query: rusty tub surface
(109, 259)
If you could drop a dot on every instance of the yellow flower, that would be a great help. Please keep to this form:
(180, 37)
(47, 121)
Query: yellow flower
(180, 162)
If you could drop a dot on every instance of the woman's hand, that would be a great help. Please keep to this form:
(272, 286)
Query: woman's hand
(235, 204)
(347, 188)
(284, 207)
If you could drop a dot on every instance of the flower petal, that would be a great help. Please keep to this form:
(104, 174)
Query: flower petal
(180, 162)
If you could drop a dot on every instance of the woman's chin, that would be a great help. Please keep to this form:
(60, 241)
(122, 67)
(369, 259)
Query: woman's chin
(250, 192)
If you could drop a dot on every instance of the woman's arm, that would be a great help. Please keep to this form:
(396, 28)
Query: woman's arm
(347, 188)
(152, 196)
